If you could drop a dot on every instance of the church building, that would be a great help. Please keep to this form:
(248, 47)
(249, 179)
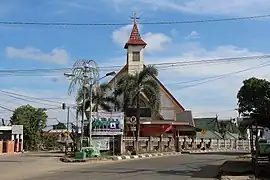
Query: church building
(173, 118)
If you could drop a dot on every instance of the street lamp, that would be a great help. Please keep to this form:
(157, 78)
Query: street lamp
(84, 69)
(86, 66)
(90, 104)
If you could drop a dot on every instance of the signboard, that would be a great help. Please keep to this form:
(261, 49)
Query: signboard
(102, 144)
(17, 129)
(133, 119)
(107, 123)
(203, 131)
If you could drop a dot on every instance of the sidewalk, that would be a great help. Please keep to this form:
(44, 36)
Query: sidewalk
(27, 165)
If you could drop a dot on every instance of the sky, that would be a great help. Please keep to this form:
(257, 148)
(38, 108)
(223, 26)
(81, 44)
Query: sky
(39, 47)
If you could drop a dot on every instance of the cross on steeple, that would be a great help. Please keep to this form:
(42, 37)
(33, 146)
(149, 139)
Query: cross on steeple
(135, 18)
(135, 37)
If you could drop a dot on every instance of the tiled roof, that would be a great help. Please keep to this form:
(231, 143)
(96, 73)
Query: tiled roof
(135, 37)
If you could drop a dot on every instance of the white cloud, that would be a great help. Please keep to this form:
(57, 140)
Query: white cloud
(58, 55)
(193, 35)
(155, 41)
(213, 7)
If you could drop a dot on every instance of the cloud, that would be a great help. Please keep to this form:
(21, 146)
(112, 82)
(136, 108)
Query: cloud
(59, 56)
(155, 41)
(193, 35)
(221, 7)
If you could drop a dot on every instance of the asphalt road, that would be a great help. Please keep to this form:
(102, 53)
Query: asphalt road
(174, 167)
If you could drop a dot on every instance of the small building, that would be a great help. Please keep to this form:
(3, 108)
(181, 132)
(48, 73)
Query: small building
(11, 139)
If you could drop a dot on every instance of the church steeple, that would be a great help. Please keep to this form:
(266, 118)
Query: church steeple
(135, 47)
(135, 37)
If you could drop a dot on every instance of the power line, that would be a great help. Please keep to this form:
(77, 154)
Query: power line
(214, 78)
(38, 99)
(6, 108)
(160, 66)
(28, 100)
(217, 112)
(51, 24)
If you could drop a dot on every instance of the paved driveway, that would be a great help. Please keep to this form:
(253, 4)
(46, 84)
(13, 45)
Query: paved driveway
(176, 167)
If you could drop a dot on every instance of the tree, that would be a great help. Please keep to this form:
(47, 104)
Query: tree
(254, 100)
(132, 86)
(33, 121)
(100, 98)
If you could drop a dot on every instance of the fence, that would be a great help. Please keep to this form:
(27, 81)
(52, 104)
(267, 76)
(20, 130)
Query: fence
(159, 144)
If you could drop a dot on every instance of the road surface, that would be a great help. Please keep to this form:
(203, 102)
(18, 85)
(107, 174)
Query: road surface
(181, 167)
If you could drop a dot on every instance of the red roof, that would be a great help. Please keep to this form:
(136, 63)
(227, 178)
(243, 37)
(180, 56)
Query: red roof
(135, 37)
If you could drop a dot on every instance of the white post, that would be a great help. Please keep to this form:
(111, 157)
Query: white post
(22, 141)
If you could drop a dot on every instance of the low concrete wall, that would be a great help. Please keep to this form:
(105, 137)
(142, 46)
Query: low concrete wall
(156, 144)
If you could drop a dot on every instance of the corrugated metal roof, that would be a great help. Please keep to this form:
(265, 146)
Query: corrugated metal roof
(206, 124)
(209, 135)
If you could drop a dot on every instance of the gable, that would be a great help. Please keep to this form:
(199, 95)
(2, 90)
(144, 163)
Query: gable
(169, 95)
(124, 69)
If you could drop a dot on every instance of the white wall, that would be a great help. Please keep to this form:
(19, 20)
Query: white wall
(135, 66)
(167, 106)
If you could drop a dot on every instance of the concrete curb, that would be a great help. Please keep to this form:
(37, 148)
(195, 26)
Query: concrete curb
(119, 158)
(11, 154)
(149, 155)
(213, 151)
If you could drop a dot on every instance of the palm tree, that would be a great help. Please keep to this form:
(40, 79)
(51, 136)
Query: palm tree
(132, 86)
(100, 98)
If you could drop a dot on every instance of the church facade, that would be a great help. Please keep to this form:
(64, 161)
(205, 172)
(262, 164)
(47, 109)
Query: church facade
(174, 119)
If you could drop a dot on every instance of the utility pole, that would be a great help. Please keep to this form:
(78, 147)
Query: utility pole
(90, 113)
(90, 99)
(66, 149)
(83, 109)
(82, 71)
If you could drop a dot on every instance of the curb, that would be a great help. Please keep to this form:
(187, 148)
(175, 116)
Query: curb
(11, 154)
(213, 151)
(140, 156)
(119, 158)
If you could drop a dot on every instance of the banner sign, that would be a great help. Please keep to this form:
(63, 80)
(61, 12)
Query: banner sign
(107, 123)
(102, 144)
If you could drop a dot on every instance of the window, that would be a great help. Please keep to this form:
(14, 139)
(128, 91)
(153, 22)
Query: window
(136, 56)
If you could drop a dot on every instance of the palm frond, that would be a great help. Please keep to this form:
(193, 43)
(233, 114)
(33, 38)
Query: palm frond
(148, 71)
(150, 81)
(106, 107)
(104, 87)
